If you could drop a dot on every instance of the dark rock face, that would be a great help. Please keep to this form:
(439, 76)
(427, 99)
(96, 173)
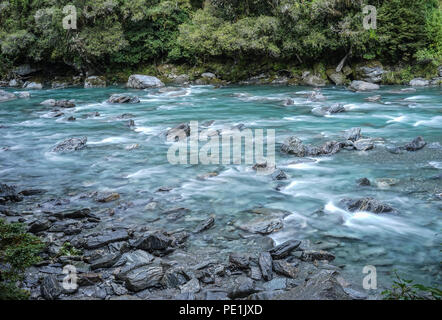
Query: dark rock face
(367, 204)
(266, 265)
(363, 182)
(143, 278)
(284, 268)
(158, 243)
(50, 287)
(179, 132)
(121, 98)
(279, 175)
(100, 241)
(311, 255)
(353, 134)
(239, 260)
(9, 193)
(417, 144)
(71, 144)
(243, 288)
(106, 261)
(322, 286)
(283, 250)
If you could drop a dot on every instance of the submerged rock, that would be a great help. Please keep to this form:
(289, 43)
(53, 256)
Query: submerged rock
(205, 225)
(6, 96)
(367, 204)
(414, 145)
(363, 182)
(179, 132)
(71, 144)
(138, 81)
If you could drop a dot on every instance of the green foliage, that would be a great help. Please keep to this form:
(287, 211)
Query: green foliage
(121, 34)
(18, 251)
(403, 289)
(68, 250)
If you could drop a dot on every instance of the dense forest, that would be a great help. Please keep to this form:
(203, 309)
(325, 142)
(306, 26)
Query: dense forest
(125, 35)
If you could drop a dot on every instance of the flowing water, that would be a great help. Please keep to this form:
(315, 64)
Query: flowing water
(408, 241)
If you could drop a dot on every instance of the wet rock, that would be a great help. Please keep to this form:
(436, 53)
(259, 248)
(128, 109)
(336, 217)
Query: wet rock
(121, 98)
(6, 96)
(419, 82)
(240, 260)
(205, 225)
(417, 144)
(100, 241)
(9, 193)
(367, 204)
(363, 182)
(279, 175)
(133, 260)
(255, 273)
(107, 197)
(321, 286)
(275, 284)
(312, 255)
(284, 268)
(266, 265)
(75, 214)
(50, 287)
(363, 145)
(95, 82)
(138, 81)
(316, 95)
(193, 286)
(175, 277)
(179, 132)
(384, 183)
(336, 108)
(67, 104)
(90, 278)
(244, 287)
(71, 144)
(353, 134)
(176, 213)
(106, 261)
(264, 225)
(159, 243)
(283, 250)
(294, 146)
(143, 278)
(363, 86)
(39, 226)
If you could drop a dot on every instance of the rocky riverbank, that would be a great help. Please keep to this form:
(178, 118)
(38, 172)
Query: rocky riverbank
(368, 74)
(128, 262)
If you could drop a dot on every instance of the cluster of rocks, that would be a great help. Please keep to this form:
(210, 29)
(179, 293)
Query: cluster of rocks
(354, 141)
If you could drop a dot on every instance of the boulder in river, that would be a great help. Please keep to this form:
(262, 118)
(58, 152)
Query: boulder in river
(419, 82)
(179, 132)
(122, 98)
(353, 134)
(322, 111)
(357, 85)
(367, 204)
(138, 81)
(416, 144)
(6, 96)
(71, 144)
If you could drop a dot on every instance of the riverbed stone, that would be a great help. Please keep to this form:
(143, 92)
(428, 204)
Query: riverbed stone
(240, 260)
(284, 268)
(144, 277)
(367, 204)
(71, 144)
(357, 85)
(122, 98)
(266, 265)
(284, 249)
(138, 81)
(102, 240)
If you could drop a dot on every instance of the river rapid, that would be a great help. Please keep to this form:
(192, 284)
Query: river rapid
(408, 240)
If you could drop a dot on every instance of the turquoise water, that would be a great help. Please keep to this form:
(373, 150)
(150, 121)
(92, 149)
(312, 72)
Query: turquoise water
(408, 241)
